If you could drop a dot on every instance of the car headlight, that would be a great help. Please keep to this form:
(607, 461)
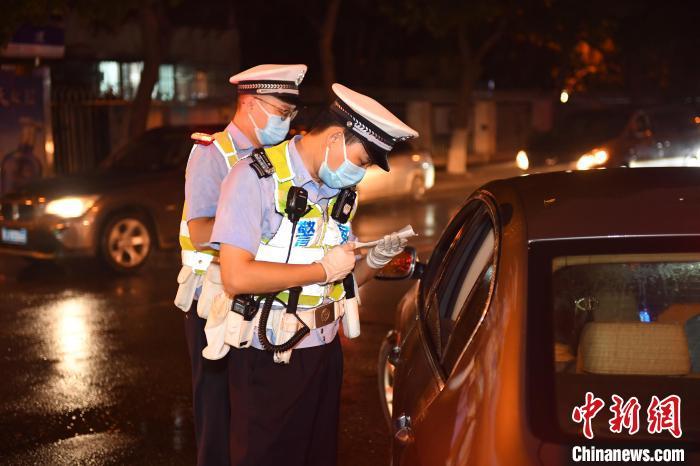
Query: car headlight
(522, 161)
(592, 159)
(70, 207)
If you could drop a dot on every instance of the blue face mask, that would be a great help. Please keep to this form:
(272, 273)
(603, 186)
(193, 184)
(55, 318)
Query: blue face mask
(274, 131)
(347, 174)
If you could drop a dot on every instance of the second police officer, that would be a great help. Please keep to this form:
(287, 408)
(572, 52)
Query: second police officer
(283, 223)
(267, 100)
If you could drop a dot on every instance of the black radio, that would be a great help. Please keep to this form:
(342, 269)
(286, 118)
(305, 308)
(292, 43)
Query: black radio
(297, 198)
(245, 305)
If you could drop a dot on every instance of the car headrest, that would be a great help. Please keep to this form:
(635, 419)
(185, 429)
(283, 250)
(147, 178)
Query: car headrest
(634, 348)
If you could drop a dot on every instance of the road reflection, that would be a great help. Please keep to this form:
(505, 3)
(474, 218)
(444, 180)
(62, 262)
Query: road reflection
(68, 325)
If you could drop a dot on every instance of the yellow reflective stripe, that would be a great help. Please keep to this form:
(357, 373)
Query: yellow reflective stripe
(279, 157)
(337, 292)
(184, 237)
(304, 300)
(186, 245)
(224, 143)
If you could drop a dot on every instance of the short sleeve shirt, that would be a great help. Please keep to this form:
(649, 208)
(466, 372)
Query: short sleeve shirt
(246, 214)
(206, 169)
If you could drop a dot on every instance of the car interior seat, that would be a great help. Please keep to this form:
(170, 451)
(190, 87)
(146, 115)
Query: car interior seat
(634, 348)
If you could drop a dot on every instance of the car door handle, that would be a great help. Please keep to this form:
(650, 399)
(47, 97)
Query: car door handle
(404, 431)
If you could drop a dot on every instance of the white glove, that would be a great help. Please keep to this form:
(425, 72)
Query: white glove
(388, 247)
(338, 262)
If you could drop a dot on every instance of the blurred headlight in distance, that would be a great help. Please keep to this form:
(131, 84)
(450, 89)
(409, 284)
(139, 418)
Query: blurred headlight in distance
(521, 160)
(70, 207)
(592, 159)
(600, 156)
(585, 162)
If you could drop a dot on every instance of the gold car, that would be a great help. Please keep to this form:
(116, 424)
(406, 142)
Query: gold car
(557, 320)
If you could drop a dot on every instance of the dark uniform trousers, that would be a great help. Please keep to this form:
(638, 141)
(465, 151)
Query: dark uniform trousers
(285, 414)
(210, 396)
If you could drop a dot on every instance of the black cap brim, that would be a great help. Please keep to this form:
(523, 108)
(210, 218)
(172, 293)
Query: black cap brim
(377, 155)
(291, 99)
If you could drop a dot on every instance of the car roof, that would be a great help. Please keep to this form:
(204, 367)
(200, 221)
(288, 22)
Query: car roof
(608, 202)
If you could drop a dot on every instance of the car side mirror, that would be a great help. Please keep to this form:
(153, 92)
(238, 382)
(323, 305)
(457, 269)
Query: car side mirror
(402, 266)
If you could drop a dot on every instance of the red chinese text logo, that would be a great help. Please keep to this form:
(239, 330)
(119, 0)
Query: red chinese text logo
(662, 415)
(665, 415)
(587, 412)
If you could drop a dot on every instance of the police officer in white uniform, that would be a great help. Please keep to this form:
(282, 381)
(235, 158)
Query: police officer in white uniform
(285, 398)
(267, 100)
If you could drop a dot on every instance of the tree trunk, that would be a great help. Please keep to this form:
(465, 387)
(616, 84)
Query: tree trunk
(470, 64)
(326, 45)
(154, 37)
(459, 143)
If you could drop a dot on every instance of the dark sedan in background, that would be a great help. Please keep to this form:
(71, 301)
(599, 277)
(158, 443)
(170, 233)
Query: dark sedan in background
(541, 289)
(120, 213)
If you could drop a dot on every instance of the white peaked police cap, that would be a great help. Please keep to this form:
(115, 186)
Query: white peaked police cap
(378, 128)
(281, 81)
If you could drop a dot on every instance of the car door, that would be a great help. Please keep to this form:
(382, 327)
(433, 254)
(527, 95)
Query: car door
(458, 286)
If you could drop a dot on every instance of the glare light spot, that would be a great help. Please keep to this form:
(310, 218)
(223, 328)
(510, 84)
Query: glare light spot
(522, 160)
(600, 156)
(585, 162)
(430, 220)
(415, 157)
(564, 96)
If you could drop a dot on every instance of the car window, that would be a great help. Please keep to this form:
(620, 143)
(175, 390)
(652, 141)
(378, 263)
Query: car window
(471, 249)
(584, 128)
(468, 319)
(676, 120)
(464, 287)
(436, 262)
(154, 151)
(626, 324)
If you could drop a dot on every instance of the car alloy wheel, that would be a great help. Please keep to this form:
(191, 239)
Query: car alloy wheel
(126, 242)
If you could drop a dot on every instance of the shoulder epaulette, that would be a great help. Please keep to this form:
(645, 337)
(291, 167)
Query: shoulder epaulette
(202, 138)
(261, 163)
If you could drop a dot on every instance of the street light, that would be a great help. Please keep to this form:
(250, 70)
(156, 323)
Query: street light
(564, 96)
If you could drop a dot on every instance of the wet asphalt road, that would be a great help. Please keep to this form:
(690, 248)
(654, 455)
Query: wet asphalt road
(95, 369)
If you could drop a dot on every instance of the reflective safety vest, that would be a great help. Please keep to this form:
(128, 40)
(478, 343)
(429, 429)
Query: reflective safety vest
(316, 232)
(200, 260)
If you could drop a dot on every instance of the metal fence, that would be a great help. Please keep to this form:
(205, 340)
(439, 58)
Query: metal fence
(81, 129)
